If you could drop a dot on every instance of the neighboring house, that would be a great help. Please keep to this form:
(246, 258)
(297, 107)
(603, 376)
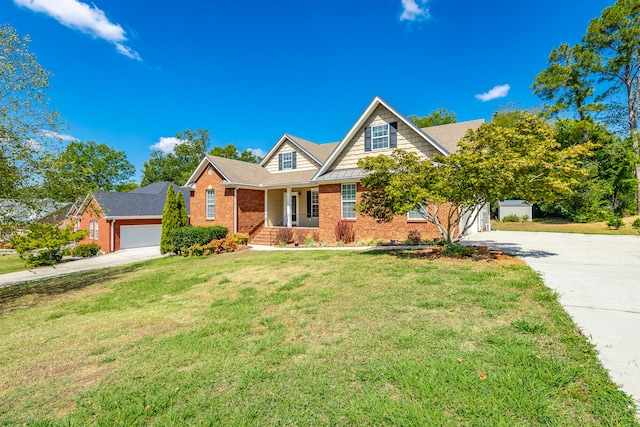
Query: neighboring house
(307, 185)
(125, 220)
(21, 214)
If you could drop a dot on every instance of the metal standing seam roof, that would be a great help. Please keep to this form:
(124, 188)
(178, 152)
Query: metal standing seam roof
(141, 202)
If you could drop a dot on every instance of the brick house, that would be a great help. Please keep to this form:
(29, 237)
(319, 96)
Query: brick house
(311, 186)
(125, 220)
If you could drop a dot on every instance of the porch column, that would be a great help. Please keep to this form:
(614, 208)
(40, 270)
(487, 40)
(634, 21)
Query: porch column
(266, 213)
(288, 207)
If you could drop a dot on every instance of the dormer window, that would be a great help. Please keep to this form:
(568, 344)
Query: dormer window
(380, 136)
(287, 160)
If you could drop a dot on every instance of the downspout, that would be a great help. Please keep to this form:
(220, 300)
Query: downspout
(235, 210)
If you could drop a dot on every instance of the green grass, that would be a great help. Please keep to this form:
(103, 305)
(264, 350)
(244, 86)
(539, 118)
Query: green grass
(299, 338)
(11, 264)
(561, 226)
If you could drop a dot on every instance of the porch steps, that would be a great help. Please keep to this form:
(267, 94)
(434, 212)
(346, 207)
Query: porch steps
(261, 237)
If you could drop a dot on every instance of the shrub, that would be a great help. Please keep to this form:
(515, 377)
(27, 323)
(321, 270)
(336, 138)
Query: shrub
(217, 246)
(511, 218)
(240, 238)
(615, 223)
(308, 241)
(524, 218)
(42, 244)
(636, 223)
(85, 250)
(456, 250)
(344, 232)
(301, 236)
(186, 237)
(284, 235)
(414, 236)
(315, 236)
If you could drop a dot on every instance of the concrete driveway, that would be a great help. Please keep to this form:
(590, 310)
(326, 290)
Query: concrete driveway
(122, 257)
(598, 280)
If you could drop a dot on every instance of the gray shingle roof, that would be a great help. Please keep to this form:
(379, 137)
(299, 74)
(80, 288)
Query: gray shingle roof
(141, 202)
(319, 151)
(449, 135)
(238, 172)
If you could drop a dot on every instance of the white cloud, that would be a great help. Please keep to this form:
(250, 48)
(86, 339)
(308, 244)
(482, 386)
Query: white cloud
(257, 152)
(499, 91)
(412, 11)
(167, 144)
(86, 18)
(57, 135)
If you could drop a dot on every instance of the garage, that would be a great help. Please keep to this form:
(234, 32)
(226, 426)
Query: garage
(138, 236)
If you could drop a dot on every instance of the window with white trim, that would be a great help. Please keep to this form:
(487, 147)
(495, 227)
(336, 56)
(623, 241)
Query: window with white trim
(417, 215)
(348, 201)
(315, 204)
(380, 136)
(287, 160)
(211, 204)
(93, 230)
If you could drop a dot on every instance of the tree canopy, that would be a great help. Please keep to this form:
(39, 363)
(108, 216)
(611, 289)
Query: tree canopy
(441, 116)
(83, 167)
(179, 165)
(515, 154)
(28, 127)
(230, 151)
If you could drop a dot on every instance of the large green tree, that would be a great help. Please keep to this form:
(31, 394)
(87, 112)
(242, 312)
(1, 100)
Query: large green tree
(179, 165)
(27, 125)
(609, 186)
(567, 85)
(615, 38)
(441, 116)
(83, 167)
(230, 151)
(515, 154)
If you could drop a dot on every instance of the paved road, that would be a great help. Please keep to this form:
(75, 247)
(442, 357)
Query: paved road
(123, 257)
(598, 279)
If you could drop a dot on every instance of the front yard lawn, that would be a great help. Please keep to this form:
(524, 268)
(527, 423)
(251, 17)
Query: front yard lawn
(563, 226)
(300, 338)
(11, 264)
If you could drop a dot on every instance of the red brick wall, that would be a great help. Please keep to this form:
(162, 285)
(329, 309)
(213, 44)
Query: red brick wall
(120, 222)
(93, 213)
(223, 199)
(365, 227)
(250, 211)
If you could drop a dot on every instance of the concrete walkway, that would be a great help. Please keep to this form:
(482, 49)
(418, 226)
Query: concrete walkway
(122, 257)
(598, 280)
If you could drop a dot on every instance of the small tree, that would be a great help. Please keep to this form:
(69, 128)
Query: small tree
(183, 218)
(42, 244)
(514, 154)
(170, 220)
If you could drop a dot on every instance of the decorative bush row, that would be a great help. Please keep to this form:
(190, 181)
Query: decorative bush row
(186, 237)
(228, 244)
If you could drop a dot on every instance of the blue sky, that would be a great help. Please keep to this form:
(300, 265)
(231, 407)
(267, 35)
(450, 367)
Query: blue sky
(132, 74)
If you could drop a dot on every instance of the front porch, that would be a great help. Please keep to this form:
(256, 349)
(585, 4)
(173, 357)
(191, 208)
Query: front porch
(292, 207)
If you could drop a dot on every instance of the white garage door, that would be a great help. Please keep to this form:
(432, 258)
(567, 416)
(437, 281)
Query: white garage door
(138, 236)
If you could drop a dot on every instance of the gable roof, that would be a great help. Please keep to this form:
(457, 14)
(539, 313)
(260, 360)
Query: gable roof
(363, 117)
(145, 201)
(449, 135)
(317, 152)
